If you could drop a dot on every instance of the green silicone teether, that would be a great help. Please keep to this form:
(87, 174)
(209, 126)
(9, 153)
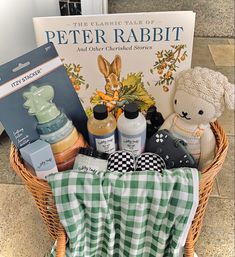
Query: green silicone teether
(39, 103)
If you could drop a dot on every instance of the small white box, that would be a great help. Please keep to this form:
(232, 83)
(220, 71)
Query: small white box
(40, 156)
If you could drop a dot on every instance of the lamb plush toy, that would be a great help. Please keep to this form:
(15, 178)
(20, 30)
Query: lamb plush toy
(200, 98)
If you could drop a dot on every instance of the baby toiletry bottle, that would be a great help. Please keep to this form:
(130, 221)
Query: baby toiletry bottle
(101, 128)
(132, 130)
(90, 160)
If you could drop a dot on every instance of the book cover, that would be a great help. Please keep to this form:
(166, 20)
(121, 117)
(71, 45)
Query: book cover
(116, 59)
(35, 85)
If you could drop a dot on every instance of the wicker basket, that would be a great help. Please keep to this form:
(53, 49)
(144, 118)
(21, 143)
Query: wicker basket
(44, 199)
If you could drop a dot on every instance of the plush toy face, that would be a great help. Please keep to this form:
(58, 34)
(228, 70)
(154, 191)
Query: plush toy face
(192, 109)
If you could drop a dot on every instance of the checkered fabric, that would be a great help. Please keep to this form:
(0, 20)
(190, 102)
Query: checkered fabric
(150, 161)
(121, 161)
(135, 214)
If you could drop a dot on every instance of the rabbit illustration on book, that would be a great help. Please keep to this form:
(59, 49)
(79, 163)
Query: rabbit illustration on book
(120, 91)
(113, 84)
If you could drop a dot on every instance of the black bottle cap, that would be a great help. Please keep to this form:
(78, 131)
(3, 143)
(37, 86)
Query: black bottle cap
(131, 111)
(151, 112)
(100, 112)
(152, 109)
(86, 151)
(100, 155)
(93, 153)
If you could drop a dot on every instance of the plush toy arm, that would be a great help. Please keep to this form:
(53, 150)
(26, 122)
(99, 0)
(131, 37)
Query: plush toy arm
(208, 147)
(168, 122)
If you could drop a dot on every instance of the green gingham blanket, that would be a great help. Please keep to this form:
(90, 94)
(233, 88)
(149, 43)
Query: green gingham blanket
(139, 214)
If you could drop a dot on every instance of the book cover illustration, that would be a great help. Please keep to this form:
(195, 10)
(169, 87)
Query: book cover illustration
(121, 58)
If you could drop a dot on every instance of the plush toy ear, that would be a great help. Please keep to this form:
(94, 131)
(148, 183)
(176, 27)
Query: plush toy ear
(229, 96)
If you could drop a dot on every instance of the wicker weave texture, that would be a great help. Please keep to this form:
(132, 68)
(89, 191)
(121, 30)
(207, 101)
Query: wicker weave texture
(44, 200)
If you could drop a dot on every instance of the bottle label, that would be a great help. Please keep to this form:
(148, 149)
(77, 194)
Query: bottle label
(104, 144)
(132, 143)
(89, 164)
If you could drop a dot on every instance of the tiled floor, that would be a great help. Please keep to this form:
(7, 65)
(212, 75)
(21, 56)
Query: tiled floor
(23, 234)
(223, 55)
(217, 237)
(213, 18)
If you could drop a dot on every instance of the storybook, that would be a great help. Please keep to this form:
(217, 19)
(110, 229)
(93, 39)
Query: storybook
(117, 59)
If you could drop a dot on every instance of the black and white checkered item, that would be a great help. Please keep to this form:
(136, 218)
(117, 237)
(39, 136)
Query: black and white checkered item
(121, 161)
(150, 161)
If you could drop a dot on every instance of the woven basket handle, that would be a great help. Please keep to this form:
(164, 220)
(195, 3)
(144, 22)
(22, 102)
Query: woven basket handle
(61, 244)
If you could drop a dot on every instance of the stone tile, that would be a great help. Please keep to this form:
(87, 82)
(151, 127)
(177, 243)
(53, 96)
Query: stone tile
(7, 175)
(22, 233)
(227, 71)
(213, 18)
(228, 166)
(224, 188)
(201, 53)
(231, 41)
(215, 243)
(217, 236)
(122, 6)
(219, 214)
(216, 189)
(202, 57)
(205, 41)
(226, 176)
(223, 55)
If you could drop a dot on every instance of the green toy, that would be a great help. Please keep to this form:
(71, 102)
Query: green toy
(39, 103)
